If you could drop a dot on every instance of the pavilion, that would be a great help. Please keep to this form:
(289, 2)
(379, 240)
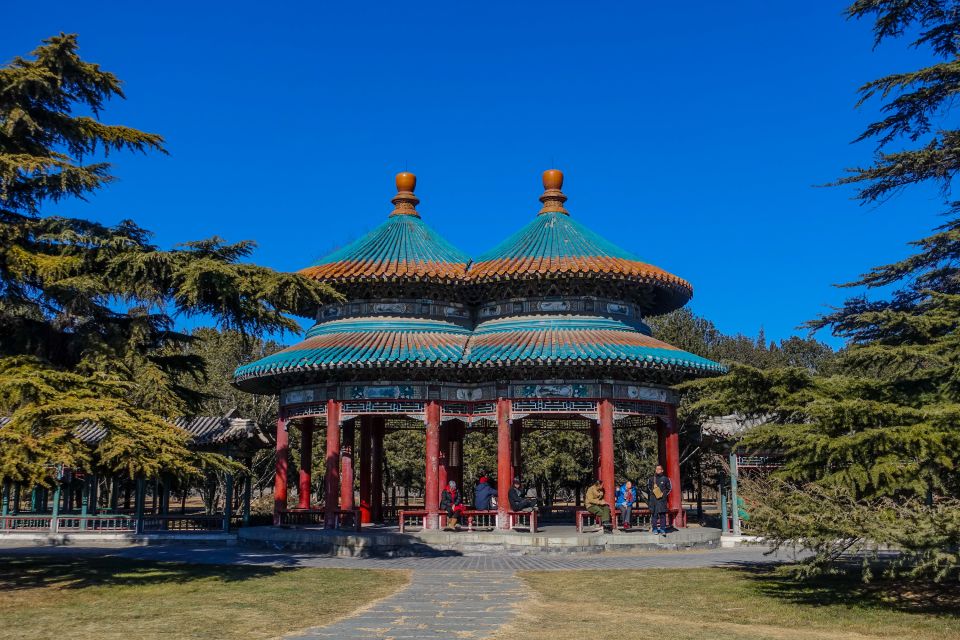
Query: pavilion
(546, 327)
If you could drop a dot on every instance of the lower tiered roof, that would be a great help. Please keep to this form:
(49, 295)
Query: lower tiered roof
(367, 343)
(574, 340)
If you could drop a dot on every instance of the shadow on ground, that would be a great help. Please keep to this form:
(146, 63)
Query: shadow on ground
(38, 571)
(848, 588)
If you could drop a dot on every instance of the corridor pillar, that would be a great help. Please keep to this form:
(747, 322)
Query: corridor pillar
(671, 467)
(431, 494)
(605, 413)
(366, 472)
(331, 477)
(504, 470)
(378, 428)
(346, 465)
(280, 471)
(304, 487)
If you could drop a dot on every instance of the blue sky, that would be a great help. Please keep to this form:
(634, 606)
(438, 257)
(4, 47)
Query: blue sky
(693, 137)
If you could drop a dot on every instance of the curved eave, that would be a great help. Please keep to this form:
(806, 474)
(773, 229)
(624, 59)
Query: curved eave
(575, 341)
(351, 273)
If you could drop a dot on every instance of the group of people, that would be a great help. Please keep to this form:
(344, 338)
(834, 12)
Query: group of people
(658, 488)
(485, 499)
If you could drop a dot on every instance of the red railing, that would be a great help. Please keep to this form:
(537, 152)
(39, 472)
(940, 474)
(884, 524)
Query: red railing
(66, 523)
(183, 524)
(26, 522)
(96, 523)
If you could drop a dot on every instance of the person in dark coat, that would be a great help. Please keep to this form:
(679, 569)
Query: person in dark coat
(483, 495)
(658, 488)
(519, 502)
(452, 503)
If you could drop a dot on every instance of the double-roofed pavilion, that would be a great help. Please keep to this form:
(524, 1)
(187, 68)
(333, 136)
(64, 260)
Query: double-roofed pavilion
(547, 326)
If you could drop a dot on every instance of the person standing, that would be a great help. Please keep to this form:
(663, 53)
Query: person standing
(597, 505)
(625, 499)
(658, 488)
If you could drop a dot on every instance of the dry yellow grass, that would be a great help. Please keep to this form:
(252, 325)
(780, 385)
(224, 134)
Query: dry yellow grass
(112, 599)
(727, 603)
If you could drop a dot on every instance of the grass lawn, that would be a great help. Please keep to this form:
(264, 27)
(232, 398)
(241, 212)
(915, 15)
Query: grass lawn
(108, 598)
(725, 603)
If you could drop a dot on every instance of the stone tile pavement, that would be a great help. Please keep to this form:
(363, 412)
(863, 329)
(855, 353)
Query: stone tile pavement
(436, 604)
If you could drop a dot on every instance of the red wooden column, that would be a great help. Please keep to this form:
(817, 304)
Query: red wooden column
(504, 471)
(366, 473)
(280, 471)
(306, 462)
(662, 428)
(331, 479)
(379, 426)
(346, 466)
(605, 411)
(516, 451)
(595, 441)
(431, 492)
(461, 431)
(672, 466)
(443, 460)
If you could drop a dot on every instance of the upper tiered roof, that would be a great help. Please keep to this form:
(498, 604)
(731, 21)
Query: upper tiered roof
(554, 245)
(402, 248)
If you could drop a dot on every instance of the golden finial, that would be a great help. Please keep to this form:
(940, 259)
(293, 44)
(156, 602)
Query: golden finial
(405, 203)
(552, 197)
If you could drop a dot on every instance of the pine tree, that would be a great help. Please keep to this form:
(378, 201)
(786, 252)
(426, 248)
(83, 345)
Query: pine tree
(86, 310)
(872, 444)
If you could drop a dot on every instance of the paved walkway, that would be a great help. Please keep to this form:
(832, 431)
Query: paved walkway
(436, 604)
(447, 597)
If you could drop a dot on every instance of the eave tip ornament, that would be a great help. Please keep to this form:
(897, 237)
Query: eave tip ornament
(405, 203)
(553, 197)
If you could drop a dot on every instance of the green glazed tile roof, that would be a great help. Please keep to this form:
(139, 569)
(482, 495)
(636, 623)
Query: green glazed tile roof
(555, 243)
(572, 340)
(520, 340)
(366, 342)
(402, 247)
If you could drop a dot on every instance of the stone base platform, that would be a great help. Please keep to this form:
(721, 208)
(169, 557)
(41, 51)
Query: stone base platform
(40, 538)
(389, 542)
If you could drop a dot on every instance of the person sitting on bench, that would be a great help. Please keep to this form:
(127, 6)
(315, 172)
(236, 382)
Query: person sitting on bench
(517, 500)
(483, 495)
(625, 499)
(452, 503)
(597, 505)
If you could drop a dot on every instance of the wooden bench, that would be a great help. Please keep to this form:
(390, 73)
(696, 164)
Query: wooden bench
(420, 514)
(640, 518)
(474, 519)
(517, 520)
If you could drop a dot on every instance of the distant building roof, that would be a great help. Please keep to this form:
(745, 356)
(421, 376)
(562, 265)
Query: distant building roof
(733, 426)
(203, 430)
